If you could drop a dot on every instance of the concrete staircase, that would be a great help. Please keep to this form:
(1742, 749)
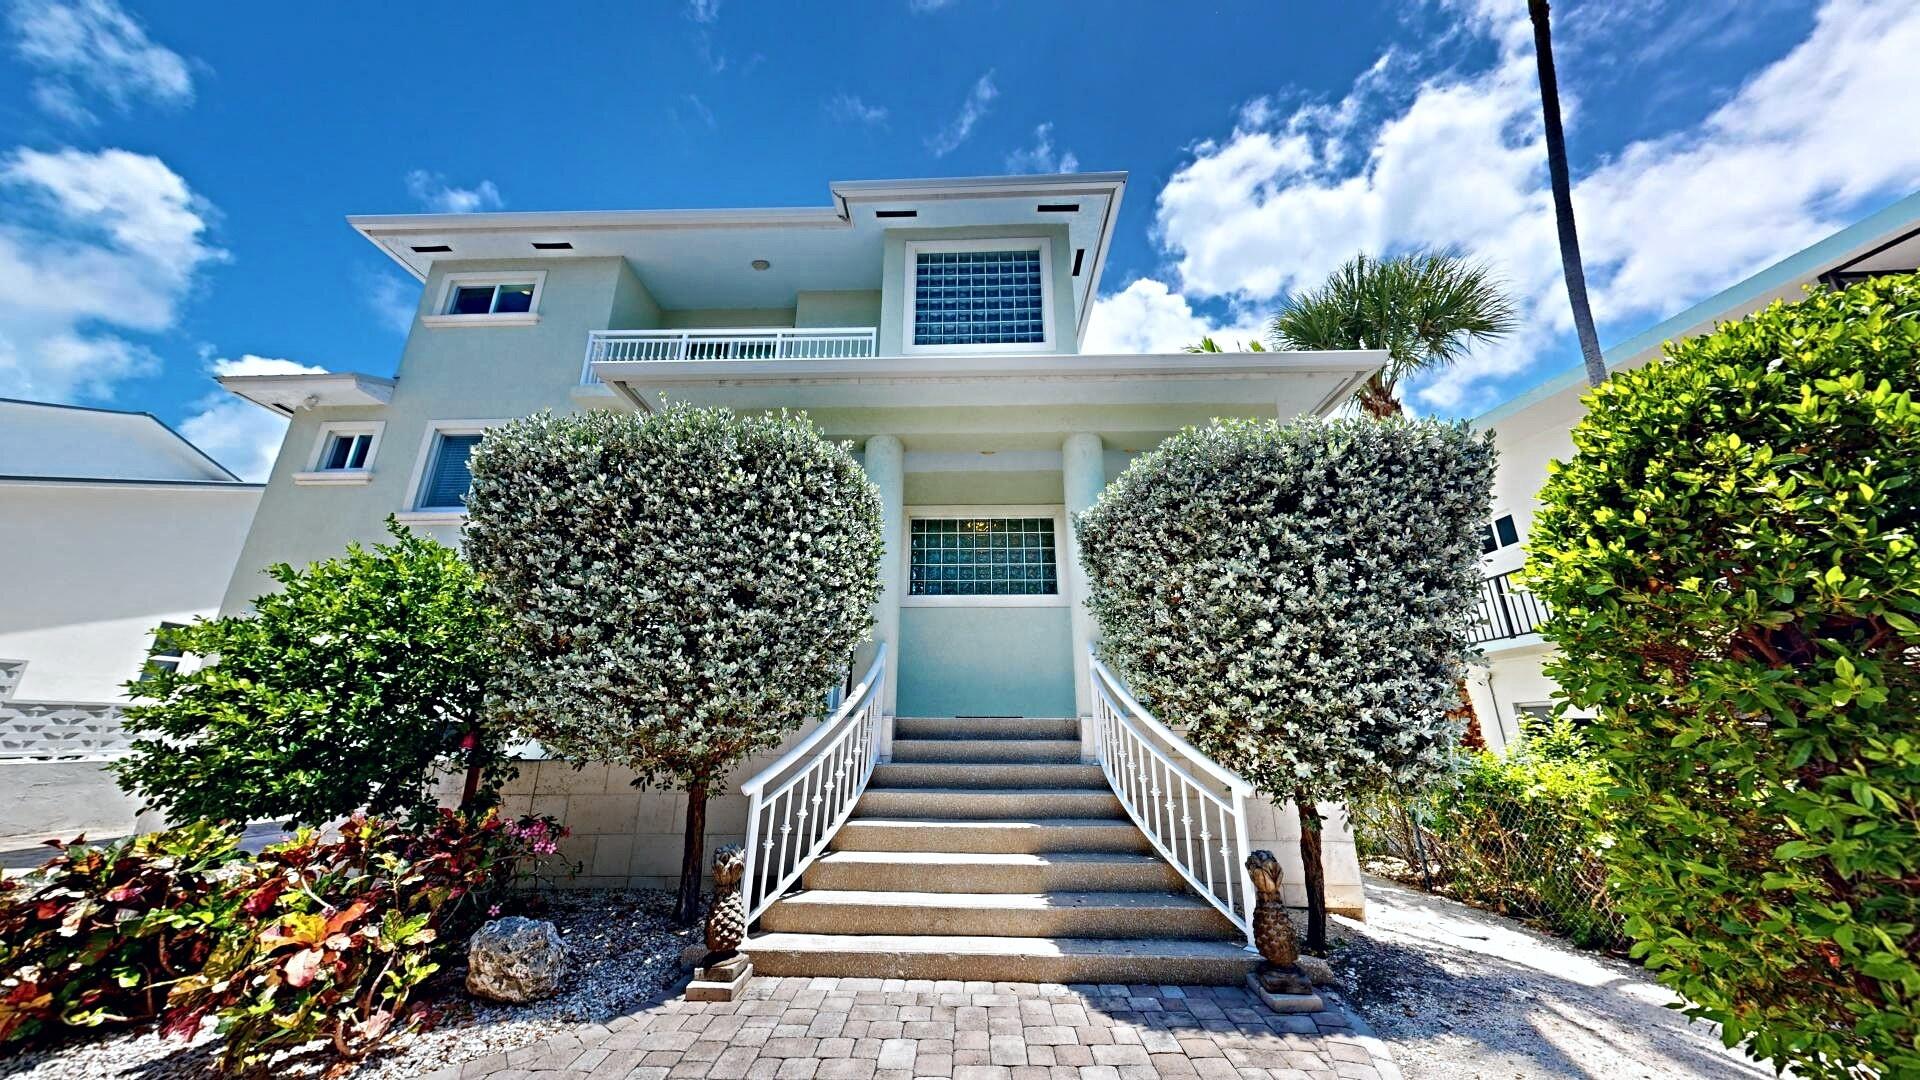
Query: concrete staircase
(986, 850)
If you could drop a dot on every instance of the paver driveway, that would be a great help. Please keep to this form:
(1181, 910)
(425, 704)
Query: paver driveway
(870, 1029)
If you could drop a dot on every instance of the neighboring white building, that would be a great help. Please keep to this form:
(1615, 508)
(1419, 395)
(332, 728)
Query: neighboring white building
(111, 524)
(1536, 427)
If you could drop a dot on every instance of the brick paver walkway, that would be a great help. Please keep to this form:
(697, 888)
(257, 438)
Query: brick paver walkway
(870, 1029)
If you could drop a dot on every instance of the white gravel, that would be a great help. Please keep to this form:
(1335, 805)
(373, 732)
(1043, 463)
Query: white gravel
(1463, 994)
(621, 949)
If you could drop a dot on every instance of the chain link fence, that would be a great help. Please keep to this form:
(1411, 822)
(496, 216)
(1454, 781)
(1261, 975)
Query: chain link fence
(1534, 853)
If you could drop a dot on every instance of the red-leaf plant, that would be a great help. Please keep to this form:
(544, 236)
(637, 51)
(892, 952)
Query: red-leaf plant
(341, 935)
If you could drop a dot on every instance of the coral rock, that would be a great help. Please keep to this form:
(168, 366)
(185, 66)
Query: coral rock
(515, 960)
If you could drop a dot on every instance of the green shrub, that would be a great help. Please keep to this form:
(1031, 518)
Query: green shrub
(1730, 558)
(99, 934)
(1525, 833)
(333, 939)
(1296, 598)
(341, 692)
(682, 589)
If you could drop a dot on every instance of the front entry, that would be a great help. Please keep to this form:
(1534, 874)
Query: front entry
(985, 627)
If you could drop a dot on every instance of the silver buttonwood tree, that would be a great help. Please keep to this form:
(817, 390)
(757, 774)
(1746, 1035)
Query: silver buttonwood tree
(681, 589)
(1296, 597)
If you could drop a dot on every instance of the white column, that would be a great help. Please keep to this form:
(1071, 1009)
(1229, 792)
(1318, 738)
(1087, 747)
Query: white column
(1084, 472)
(885, 463)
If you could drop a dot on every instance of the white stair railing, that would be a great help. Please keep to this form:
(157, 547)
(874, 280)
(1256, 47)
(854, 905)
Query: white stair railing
(1192, 810)
(789, 823)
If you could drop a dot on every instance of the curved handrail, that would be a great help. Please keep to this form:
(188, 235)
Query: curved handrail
(1188, 750)
(789, 826)
(1128, 743)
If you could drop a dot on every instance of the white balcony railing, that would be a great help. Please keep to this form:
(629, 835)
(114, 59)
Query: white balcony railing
(772, 343)
(1192, 810)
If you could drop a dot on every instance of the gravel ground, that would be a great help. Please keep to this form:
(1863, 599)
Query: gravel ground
(621, 949)
(1463, 994)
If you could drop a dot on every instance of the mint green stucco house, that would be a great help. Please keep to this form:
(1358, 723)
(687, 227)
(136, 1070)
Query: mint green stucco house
(934, 325)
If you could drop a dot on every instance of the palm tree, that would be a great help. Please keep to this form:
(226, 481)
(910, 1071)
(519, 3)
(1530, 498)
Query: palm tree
(1424, 309)
(1563, 195)
(1207, 344)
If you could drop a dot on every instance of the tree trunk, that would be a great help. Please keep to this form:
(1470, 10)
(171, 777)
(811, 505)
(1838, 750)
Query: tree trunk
(1563, 195)
(686, 907)
(1315, 874)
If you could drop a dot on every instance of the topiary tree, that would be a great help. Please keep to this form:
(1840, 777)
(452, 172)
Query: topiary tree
(1730, 558)
(343, 691)
(1296, 598)
(684, 588)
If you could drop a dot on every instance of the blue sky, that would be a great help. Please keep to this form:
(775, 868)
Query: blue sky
(173, 176)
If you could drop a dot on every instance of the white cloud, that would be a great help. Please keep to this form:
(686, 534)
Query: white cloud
(922, 7)
(91, 243)
(1457, 161)
(1147, 317)
(1040, 158)
(431, 190)
(394, 299)
(93, 47)
(960, 128)
(239, 434)
(700, 110)
(703, 11)
(849, 108)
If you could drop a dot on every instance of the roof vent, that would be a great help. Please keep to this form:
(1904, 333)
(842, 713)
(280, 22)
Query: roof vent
(896, 213)
(552, 245)
(431, 249)
(1059, 207)
(1079, 255)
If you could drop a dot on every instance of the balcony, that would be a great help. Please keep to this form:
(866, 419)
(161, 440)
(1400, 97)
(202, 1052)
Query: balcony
(1505, 610)
(772, 343)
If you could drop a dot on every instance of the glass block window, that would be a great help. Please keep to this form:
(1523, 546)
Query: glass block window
(448, 478)
(978, 298)
(982, 557)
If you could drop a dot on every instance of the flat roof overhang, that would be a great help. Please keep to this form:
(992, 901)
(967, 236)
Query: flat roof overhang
(1290, 383)
(284, 393)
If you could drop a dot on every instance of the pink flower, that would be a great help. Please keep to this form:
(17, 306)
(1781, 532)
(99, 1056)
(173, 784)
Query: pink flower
(493, 912)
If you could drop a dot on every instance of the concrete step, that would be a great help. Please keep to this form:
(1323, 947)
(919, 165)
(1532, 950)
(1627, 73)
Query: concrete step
(980, 804)
(1031, 837)
(1002, 959)
(1025, 750)
(987, 774)
(1058, 914)
(990, 872)
(985, 727)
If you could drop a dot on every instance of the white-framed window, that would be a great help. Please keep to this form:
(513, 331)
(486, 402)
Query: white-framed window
(440, 475)
(979, 295)
(1005, 556)
(1501, 532)
(343, 453)
(165, 655)
(491, 299)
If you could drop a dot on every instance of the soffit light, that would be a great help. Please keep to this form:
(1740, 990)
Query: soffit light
(761, 264)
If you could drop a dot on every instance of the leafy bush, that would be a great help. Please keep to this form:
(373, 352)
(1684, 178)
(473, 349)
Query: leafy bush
(1296, 597)
(333, 939)
(1730, 558)
(340, 692)
(99, 933)
(683, 589)
(1523, 833)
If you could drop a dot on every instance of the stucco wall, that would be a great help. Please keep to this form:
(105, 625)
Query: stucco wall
(985, 661)
(1504, 681)
(90, 570)
(40, 800)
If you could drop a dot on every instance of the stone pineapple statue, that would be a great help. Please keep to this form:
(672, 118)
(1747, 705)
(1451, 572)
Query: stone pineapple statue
(1273, 932)
(727, 919)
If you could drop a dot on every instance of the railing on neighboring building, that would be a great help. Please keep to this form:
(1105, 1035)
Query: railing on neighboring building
(1192, 810)
(1505, 610)
(795, 805)
(773, 343)
(61, 731)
